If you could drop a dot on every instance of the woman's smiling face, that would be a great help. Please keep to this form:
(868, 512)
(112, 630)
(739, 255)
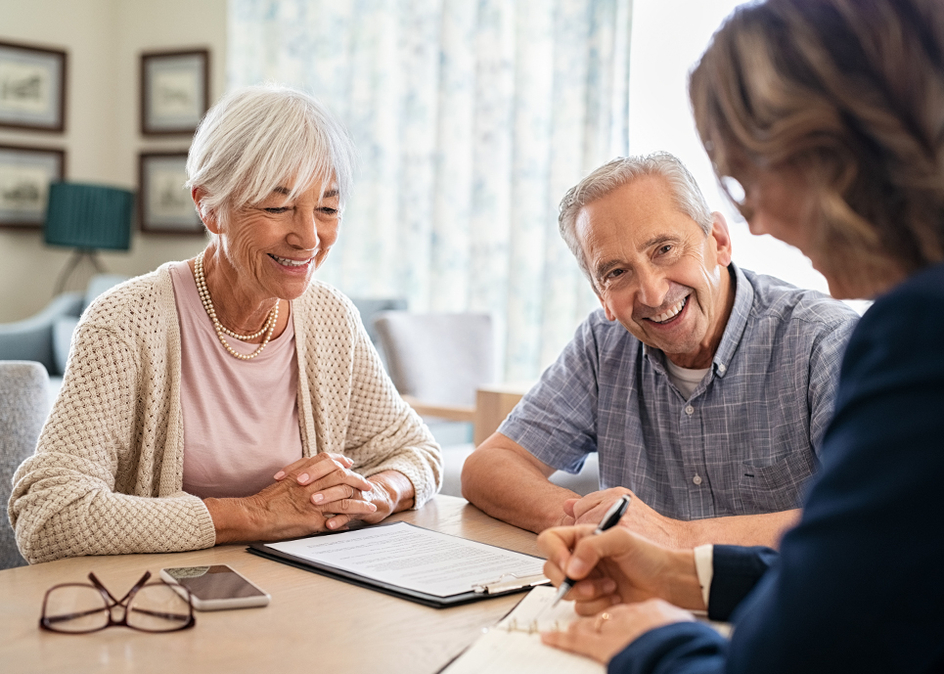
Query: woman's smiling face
(274, 246)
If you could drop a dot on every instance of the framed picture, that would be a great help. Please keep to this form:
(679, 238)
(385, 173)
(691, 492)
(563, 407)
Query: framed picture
(164, 202)
(32, 87)
(25, 174)
(175, 91)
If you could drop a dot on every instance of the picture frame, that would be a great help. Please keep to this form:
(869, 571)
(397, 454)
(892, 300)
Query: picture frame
(25, 175)
(164, 203)
(175, 91)
(32, 87)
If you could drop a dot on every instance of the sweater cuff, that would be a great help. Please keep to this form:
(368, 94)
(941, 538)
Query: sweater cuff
(416, 471)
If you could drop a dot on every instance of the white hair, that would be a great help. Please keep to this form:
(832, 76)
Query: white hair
(261, 137)
(686, 194)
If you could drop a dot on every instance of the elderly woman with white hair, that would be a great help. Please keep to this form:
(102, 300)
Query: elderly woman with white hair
(229, 397)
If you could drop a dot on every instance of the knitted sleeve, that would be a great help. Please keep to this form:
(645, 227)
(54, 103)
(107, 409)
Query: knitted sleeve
(104, 478)
(357, 409)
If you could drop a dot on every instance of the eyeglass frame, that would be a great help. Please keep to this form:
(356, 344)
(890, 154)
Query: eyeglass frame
(47, 623)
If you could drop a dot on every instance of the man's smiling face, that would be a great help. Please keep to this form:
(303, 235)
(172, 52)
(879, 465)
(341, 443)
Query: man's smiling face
(656, 271)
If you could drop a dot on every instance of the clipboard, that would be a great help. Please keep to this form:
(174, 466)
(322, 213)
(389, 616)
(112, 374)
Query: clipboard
(495, 585)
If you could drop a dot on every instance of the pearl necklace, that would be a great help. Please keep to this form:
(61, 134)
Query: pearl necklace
(268, 327)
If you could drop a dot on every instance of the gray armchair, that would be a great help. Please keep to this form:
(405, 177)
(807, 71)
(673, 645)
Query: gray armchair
(32, 338)
(45, 337)
(369, 308)
(24, 405)
(438, 362)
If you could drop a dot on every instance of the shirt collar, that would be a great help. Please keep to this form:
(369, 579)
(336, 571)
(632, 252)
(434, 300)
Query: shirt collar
(737, 322)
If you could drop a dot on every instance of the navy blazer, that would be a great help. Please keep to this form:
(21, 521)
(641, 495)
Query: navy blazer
(859, 586)
(735, 572)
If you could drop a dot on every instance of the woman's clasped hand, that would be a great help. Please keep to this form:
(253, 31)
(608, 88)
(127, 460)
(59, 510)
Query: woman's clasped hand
(326, 483)
(312, 495)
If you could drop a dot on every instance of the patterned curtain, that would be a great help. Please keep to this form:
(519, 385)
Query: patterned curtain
(471, 119)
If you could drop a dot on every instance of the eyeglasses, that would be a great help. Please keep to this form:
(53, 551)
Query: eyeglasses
(80, 608)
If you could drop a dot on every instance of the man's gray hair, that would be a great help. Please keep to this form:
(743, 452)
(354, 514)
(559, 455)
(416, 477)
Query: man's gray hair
(261, 137)
(621, 171)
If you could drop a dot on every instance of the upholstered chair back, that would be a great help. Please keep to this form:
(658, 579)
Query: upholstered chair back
(24, 405)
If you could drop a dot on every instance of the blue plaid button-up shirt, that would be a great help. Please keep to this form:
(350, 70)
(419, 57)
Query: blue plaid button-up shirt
(743, 443)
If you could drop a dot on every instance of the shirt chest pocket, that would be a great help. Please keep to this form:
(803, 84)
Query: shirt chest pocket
(775, 486)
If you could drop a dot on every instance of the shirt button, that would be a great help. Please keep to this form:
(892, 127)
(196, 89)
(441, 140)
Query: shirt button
(721, 368)
(697, 479)
(689, 410)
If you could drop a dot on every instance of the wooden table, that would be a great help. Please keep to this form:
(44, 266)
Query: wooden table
(313, 623)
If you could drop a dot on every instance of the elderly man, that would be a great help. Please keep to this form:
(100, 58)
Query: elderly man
(705, 389)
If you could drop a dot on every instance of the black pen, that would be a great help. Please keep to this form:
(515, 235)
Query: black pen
(612, 516)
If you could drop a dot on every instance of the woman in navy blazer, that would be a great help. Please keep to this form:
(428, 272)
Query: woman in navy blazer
(824, 120)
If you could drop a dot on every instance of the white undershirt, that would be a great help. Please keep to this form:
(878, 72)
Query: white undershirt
(685, 380)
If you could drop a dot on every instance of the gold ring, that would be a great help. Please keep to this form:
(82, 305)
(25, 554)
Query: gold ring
(602, 618)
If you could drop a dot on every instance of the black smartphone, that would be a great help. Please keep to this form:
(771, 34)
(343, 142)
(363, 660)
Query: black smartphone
(215, 587)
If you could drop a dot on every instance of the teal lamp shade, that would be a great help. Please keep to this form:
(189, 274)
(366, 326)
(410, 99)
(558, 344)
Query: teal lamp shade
(89, 217)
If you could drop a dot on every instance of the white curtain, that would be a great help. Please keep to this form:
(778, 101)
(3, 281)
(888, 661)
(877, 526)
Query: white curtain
(471, 119)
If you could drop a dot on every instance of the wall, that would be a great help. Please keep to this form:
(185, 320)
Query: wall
(104, 39)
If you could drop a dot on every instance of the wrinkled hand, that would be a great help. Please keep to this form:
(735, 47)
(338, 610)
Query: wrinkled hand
(312, 495)
(591, 508)
(331, 489)
(639, 517)
(618, 566)
(601, 638)
(342, 496)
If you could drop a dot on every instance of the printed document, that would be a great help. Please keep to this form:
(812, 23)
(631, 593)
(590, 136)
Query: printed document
(415, 558)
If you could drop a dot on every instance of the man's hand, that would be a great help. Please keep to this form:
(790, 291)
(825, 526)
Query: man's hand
(639, 517)
(763, 529)
(591, 508)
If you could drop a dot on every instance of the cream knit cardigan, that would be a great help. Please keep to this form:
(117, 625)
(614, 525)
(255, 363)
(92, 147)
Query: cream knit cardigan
(107, 474)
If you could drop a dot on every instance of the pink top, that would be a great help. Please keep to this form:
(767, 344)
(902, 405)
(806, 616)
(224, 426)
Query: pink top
(240, 417)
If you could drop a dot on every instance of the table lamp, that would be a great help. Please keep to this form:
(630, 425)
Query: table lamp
(87, 218)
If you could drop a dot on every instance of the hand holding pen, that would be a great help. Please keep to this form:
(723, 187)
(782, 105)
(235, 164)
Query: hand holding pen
(609, 520)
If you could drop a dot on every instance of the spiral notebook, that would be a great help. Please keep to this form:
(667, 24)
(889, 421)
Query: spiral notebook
(514, 644)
